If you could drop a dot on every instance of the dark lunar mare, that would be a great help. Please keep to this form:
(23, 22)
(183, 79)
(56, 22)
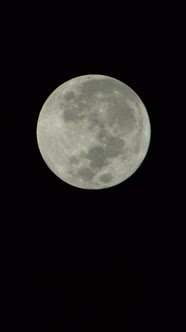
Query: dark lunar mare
(106, 177)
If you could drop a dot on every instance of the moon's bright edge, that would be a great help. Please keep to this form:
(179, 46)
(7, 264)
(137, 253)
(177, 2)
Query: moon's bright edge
(93, 132)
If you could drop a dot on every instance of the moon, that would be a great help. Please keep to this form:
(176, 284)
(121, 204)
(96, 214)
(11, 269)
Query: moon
(93, 132)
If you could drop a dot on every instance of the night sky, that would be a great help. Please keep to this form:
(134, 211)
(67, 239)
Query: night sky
(74, 258)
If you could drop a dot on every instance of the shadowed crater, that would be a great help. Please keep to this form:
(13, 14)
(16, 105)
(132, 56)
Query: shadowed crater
(106, 177)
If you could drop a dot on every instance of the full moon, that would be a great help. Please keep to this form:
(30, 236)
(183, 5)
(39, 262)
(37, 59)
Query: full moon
(93, 132)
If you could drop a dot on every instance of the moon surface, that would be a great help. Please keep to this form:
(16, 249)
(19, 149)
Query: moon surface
(93, 132)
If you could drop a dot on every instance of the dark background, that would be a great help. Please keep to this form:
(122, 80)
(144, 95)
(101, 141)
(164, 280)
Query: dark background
(74, 258)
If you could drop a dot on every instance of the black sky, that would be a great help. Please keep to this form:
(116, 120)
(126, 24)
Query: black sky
(75, 258)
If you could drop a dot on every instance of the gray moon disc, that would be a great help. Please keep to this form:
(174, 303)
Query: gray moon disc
(93, 131)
